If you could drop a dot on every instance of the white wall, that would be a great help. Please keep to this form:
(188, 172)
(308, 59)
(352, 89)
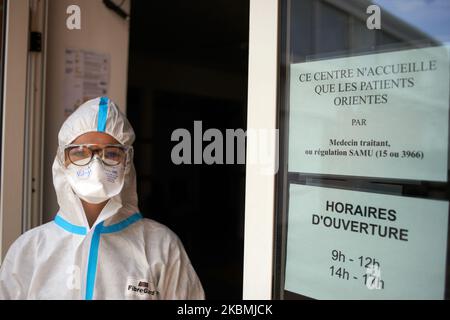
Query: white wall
(102, 31)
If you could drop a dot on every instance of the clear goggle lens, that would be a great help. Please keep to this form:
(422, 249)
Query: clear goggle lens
(81, 155)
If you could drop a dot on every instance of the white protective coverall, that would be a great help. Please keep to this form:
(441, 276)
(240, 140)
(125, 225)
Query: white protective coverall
(123, 256)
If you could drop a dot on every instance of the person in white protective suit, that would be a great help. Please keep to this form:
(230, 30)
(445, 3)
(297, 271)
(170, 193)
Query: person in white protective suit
(98, 246)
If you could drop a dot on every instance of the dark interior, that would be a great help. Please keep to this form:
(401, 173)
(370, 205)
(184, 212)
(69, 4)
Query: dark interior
(188, 62)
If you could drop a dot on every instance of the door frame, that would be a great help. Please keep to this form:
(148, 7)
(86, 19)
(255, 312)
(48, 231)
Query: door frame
(13, 121)
(261, 114)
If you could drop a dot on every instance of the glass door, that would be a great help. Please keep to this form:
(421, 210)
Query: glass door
(362, 191)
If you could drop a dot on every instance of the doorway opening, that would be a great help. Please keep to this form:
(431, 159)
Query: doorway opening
(188, 62)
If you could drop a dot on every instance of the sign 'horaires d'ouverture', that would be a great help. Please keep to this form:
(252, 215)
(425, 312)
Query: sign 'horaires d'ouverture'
(378, 115)
(356, 245)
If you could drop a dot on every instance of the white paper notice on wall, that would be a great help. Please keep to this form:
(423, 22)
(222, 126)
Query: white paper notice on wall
(379, 115)
(356, 245)
(86, 77)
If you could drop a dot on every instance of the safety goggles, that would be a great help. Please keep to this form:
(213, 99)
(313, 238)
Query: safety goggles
(110, 154)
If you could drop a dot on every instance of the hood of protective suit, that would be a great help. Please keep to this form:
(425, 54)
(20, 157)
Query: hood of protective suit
(96, 115)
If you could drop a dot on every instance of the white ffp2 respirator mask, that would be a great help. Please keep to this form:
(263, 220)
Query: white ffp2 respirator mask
(95, 182)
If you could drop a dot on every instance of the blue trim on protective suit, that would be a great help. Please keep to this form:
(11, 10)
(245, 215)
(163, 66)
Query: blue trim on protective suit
(66, 225)
(92, 262)
(121, 225)
(93, 252)
(95, 244)
(102, 114)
